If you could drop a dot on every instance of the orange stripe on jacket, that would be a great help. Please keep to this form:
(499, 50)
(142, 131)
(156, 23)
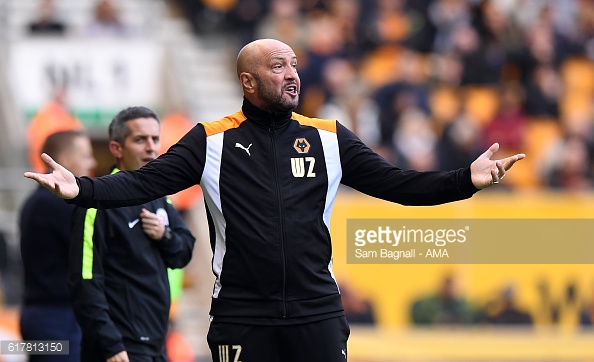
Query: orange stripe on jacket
(237, 118)
(224, 124)
(325, 124)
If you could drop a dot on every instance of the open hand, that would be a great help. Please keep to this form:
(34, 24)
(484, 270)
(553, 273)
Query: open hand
(486, 172)
(60, 181)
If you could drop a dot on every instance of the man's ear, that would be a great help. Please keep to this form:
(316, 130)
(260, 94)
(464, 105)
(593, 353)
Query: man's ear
(115, 148)
(248, 82)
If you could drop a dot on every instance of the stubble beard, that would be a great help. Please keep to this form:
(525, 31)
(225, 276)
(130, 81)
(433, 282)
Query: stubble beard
(276, 102)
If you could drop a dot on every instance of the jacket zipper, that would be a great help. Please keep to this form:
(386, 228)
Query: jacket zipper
(280, 225)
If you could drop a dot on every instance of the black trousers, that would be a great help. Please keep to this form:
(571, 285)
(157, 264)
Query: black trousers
(323, 341)
(48, 323)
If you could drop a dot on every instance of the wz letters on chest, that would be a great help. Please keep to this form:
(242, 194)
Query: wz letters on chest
(303, 166)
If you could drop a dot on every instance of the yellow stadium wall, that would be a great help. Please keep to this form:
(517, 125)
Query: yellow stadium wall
(392, 288)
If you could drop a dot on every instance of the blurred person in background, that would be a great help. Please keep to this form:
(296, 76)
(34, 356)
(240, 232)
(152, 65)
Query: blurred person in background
(44, 223)
(285, 22)
(586, 317)
(324, 43)
(415, 141)
(173, 127)
(447, 16)
(584, 27)
(569, 162)
(446, 307)
(479, 66)
(118, 276)
(543, 90)
(459, 143)
(357, 308)
(570, 169)
(242, 16)
(508, 126)
(347, 99)
(408, 91)
(348, 15)
(509, 312)
(107, 21)
(385, 23)
(51, 117)
(270, 177)
(497, 27)
(47, 22)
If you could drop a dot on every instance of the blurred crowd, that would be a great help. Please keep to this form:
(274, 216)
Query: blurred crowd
(449, 306)
(106, 20)
(430, 84)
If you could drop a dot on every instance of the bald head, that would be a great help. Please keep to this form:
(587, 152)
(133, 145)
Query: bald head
(250, 55)
(267, 70)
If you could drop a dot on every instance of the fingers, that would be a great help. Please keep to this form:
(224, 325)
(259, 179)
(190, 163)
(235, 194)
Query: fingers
(494, 177)
(501, 166)
(145, 214)
(500, 169)
(40, 178)
(497, 173)
(151, 225)
(491, 151)
(33, 176)
(509, 161)
(149, 219)
(49, 161)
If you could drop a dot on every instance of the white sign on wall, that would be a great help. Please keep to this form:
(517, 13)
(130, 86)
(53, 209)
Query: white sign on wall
(99, 74)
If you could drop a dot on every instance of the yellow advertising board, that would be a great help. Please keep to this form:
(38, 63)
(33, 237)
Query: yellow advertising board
(552, 293)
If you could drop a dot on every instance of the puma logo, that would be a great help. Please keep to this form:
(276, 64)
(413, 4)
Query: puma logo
(132, 223)
(344, 353)
(247, 150)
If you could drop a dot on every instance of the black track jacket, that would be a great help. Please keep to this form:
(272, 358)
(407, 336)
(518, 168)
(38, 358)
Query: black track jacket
(269, 182)
(118, 277)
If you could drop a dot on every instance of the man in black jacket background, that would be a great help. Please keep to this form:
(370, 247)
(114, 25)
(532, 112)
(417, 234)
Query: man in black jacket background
(119, 258)
(44, 224)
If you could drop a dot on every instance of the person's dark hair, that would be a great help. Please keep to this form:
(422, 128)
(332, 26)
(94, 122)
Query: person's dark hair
(61, 141)
(118, 131)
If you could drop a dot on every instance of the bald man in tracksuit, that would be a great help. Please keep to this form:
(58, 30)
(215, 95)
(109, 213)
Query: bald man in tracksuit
(270, 177)
(269, 180)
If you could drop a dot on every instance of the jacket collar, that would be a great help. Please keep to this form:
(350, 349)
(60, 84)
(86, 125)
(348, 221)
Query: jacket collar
(265, 119)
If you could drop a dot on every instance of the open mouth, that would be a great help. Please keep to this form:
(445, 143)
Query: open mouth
(292, 90)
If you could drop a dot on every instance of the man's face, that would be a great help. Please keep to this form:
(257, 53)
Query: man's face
(278, 83)
(79, 160)
(142, 145)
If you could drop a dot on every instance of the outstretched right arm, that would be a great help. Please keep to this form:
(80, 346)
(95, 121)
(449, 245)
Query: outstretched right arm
(60, 181)
(177, 169)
